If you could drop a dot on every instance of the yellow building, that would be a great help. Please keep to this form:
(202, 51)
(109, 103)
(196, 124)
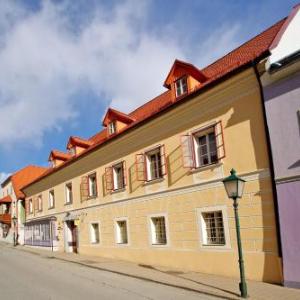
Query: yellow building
(148, 188)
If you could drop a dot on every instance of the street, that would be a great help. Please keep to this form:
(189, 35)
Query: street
(28, 276)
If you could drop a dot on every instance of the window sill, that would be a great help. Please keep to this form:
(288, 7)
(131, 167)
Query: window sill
(52, 207)
(92, 197)
(69, 203)
(215, 247)
(206, 167)
(118, 190)
(154, 181)
(160, 245)
(122, 244)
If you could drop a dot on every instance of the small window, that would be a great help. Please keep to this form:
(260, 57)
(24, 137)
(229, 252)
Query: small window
(95, 234)
(92, 179)
(69, 193)
(118, 176)
(72, 151)
(30, 206)
(158, 231)
(121, 232)
(51, 199)
(205, 148)
(40, 203)
(153, 164)
(213, 228)
(112, 128)
(181, 86)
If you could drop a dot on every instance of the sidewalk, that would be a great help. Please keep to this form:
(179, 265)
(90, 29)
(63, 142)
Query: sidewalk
(217, 286)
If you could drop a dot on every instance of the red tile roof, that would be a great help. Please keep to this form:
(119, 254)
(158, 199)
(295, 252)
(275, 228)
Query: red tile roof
(56, 154)
(24, 177)
(6, 199)
(113, 114)
(254, 49)
(77, 141)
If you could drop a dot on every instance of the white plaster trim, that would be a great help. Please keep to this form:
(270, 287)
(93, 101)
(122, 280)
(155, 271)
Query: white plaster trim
(90, 233)
(165, 215)
(116, 231)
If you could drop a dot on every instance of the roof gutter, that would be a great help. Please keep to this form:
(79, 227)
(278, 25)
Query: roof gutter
(271, 160)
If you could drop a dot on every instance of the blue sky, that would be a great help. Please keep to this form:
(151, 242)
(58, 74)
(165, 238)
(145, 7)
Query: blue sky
(64, 62)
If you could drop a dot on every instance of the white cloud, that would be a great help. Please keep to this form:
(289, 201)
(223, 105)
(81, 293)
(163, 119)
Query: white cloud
(45, 60)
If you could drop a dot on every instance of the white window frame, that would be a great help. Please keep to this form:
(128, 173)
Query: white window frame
(115, 176)
(156, 151)
(181, 85)
(67, 191)
(112, 127)
(202, 227)
(196, 135)
(117, 231)
(30, 206)
(151, 230)
(92, 241)
(90, 184)
(51, 197)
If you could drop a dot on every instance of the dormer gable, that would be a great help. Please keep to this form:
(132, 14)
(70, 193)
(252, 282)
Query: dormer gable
(115, 121)
(56, 157)
(183, 78)
(76, 145)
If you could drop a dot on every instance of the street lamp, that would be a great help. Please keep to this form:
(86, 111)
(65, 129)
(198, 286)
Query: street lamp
(234, 187)
(14, 219)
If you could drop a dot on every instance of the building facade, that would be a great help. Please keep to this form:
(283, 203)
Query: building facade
(148, 188)
(281, 86)
(12, 204)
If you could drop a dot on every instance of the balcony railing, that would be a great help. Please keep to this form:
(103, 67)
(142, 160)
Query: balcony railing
(5, 218)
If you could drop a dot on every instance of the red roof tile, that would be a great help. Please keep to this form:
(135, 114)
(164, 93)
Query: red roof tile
(253, 49)
(77, 141)
(6, 199)
(56, 154)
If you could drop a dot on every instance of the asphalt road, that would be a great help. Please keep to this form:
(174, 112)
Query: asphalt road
(24, 276)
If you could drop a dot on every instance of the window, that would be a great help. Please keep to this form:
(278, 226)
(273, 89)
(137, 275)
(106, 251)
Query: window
(40, 203)
(121, 232)
(158, 230)
(214, 228)
(95, 235)
(30, 206)
(72, 151)
(69, 193)
(154, 165)
(181, 86)
(92, 185)
(51, 199)
(118, 176)
(206, 148)
(112, 128)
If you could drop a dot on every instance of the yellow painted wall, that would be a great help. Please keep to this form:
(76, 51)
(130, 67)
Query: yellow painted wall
(236, 103)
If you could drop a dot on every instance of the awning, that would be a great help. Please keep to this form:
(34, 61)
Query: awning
(71, 216)
(6, 199)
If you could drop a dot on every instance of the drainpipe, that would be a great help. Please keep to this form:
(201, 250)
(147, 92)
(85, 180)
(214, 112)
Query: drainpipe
(272, 172)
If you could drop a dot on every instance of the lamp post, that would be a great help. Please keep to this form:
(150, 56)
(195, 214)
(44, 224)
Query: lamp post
(234, 187)
(14, 219)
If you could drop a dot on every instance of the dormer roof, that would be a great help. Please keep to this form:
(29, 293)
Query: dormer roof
(115, 115)
(56, 154)
(77, 141)
(183, 68)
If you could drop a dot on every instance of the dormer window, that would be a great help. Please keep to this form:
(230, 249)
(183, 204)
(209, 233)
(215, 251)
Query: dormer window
(72, 151)
(181, 86)
(112, 128)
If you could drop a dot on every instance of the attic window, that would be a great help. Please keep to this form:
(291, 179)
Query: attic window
(112, 128)
(181, 86)
(72, 151)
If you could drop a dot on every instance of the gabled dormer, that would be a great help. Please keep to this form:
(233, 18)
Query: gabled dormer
(183, 78)
(76, 145)
(115, 121)
(56, 158)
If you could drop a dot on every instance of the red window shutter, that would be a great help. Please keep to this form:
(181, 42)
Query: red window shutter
(140, 167)
(188, 151)
(84, 188)
(164, 165)
(220, 140)
(109, 181)
(124, 173)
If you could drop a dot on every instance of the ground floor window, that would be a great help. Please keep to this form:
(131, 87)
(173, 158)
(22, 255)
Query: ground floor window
(214, 226)
(158, 230)
(95, 233)
(39, 233)
(121, 232)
